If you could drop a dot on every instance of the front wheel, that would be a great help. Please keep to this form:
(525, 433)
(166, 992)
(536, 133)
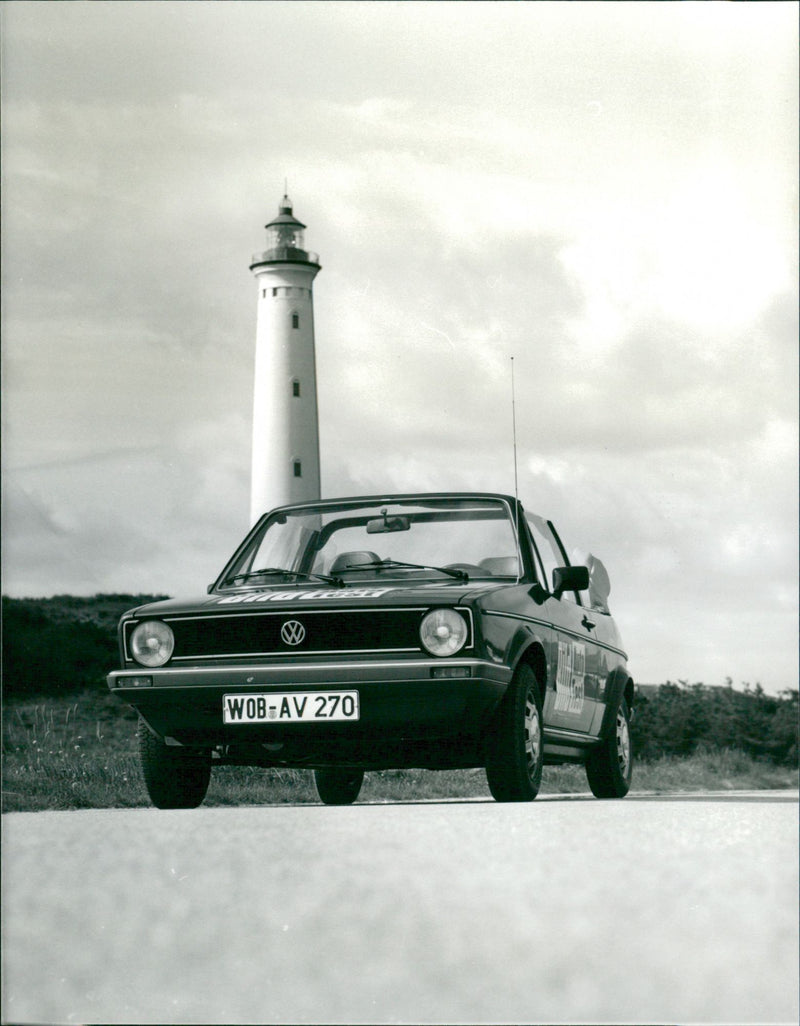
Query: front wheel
(609, 766)
(337, 786)
(516, 749)
(175, 778)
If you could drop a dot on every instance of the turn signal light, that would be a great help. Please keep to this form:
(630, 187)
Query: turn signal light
(134, 682)
(442, 672)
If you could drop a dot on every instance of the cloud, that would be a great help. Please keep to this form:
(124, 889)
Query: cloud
(159, 520)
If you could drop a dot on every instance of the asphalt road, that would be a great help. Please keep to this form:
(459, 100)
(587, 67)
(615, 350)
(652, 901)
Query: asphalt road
(681, 910)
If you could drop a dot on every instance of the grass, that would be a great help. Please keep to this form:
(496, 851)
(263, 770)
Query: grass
(70, 753)
(79, 752)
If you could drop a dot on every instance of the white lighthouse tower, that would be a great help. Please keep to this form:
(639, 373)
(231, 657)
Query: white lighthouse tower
(285, 424)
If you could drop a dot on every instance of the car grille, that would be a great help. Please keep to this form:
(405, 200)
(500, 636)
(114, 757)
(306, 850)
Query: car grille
(294, 632)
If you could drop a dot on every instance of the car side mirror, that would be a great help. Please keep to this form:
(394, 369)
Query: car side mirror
(570, 578)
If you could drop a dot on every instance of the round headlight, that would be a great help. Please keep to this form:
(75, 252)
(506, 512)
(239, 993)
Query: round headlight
(443, 632)
(152, 643)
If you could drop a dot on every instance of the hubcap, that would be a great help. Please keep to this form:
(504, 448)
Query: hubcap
(533, 733)
(623, 744)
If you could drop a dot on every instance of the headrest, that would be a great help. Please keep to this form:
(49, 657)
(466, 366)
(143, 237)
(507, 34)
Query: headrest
(346, 559)
(502, 566)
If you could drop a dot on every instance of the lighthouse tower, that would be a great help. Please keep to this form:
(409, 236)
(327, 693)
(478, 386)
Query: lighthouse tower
(285, 425)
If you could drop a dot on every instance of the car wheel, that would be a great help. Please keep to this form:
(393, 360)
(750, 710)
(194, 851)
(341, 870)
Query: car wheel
(516, 749)
(338, 786)
(609, 766)
(175, 778)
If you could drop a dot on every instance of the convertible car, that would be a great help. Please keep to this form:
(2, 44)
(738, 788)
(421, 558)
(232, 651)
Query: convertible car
(437, 631)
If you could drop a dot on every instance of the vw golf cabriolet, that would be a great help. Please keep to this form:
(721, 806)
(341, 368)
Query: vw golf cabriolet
(437, 631)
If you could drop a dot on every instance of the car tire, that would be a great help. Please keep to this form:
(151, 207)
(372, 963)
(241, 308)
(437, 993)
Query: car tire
(515, 755)
(609, 766)
(175, 778)
(337, 786)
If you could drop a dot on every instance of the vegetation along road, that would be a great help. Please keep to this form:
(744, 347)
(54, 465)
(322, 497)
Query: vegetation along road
(665, 908)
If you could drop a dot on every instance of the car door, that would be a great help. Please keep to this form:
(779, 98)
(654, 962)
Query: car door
(576, 666)
(609, 659)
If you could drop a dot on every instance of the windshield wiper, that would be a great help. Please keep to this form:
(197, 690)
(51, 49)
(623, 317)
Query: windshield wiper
(269, 571)
(377, 564)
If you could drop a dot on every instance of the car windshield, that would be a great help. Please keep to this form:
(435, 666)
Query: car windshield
(354, 540)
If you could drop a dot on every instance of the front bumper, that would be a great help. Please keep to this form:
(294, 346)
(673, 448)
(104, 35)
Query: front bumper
(422, 704)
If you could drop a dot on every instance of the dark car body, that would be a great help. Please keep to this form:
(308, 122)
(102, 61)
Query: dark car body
(322, 664)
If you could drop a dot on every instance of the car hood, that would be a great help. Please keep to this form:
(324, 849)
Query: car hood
(310, 595)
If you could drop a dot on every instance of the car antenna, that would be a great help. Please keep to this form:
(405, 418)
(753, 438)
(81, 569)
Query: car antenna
(516, 479)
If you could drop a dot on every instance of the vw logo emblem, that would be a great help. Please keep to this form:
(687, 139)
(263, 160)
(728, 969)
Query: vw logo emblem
(293, 632)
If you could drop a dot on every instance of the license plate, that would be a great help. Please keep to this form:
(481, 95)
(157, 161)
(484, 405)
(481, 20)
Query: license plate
(291, 707)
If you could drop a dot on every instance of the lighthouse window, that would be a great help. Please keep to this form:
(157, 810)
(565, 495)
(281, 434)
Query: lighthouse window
(295, 320)
(298, 468)
(296, 388)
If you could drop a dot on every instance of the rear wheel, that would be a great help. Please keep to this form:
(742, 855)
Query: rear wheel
(609, 766)
(175, 778)
(516, 749)
(337, 786)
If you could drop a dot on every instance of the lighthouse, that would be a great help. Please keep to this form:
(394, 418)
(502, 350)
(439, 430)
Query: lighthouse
(285, 466)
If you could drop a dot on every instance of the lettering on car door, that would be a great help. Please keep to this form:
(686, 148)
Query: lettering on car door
(570, 678)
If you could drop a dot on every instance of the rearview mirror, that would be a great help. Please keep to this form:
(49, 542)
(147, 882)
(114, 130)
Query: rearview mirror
(387, 525)
(570, 578)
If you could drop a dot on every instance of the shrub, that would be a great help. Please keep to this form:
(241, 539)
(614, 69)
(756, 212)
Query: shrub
(62, 644)
(678, 719)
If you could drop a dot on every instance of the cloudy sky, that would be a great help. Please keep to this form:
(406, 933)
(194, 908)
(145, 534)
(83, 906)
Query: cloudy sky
(606, 193)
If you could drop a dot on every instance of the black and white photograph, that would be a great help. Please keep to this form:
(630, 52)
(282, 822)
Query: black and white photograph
(399, 512)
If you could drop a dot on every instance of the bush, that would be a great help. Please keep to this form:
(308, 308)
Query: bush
(680, 719)
(62, 644)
